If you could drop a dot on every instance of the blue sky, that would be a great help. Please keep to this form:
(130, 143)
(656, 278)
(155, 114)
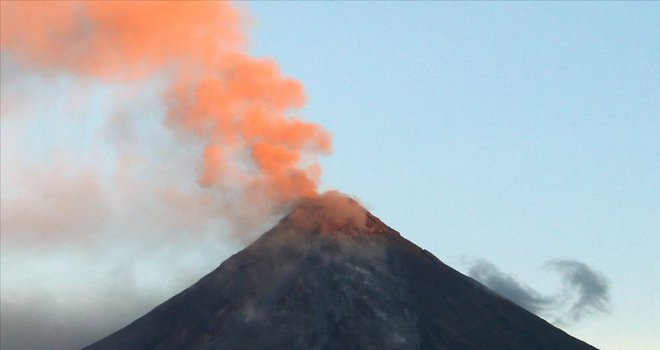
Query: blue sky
(516, 132)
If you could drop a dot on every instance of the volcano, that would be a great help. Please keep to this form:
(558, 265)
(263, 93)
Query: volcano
(332, 276)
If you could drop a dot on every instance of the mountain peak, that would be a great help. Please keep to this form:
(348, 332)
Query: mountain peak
(334, 213)
(332, 276)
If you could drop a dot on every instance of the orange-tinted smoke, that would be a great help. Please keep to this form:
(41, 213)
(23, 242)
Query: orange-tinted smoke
(110, 38)
(235, 105)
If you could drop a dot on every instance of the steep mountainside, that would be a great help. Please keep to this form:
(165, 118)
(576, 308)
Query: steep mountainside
(332, 276)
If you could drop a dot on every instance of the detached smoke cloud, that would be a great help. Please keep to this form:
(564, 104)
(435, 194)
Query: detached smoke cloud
(508, 287)
(591, 289)
(584, 291)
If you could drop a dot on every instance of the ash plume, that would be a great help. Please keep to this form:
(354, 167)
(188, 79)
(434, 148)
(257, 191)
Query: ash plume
(235, 107)
(233, 156)
(584, 291)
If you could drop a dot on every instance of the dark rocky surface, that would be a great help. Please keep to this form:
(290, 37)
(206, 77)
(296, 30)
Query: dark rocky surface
(318, 280)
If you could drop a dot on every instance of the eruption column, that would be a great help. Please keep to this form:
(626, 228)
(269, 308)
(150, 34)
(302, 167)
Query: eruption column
(236, 106)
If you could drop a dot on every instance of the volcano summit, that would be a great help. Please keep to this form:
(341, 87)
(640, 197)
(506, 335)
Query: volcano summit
(332, 276)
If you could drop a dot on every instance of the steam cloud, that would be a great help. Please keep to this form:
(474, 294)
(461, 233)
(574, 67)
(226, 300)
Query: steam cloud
(584, 290)
(233, 155)
(236, 106)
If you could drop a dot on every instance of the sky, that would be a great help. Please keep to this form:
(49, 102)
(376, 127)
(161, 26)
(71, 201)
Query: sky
(507, 135)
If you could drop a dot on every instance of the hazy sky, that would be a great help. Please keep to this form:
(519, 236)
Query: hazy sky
(513, 133)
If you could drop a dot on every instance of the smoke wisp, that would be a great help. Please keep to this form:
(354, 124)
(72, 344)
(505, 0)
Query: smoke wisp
(584, 291)
(589, 289)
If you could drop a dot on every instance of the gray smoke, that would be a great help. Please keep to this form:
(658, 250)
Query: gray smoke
(508, 287)
(584, 291)
(589, 289)
(43, 324)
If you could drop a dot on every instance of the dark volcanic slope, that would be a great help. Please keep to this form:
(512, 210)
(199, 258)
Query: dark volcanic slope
(322, 280)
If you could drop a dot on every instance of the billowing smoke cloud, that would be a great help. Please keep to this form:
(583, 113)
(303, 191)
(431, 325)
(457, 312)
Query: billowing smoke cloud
(235, 106)
(584, 291)
(151, 186)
